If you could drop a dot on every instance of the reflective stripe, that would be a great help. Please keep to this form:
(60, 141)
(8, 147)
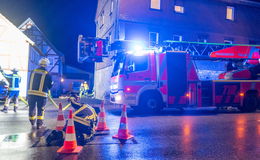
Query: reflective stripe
(84, 122)
(60, 123)
(93, 112)
(70, 122)
(13, 89)
(90, 117)
(40, 117)
(7, 102)
(37, 93)
(41, 71)
(32, 117)
(101, 119)
(81, 108)
(123, 126)
(31, 81)
(42, 82)
(70, 137)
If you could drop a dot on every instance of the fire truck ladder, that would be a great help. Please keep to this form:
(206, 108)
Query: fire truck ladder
(197, 48)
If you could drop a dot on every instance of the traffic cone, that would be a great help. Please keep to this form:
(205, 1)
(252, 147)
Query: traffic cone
(102, 126)
(123, 133)
(70, 143)
(60, 119)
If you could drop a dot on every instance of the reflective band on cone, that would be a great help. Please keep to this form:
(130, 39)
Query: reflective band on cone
(60, 119)
(123, 127)
(102, 126)
(70, 144)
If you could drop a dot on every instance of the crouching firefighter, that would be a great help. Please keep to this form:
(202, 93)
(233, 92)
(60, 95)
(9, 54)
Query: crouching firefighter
(85, 120)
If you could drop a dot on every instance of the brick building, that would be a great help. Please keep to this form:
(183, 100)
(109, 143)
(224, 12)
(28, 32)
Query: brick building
(153, 21)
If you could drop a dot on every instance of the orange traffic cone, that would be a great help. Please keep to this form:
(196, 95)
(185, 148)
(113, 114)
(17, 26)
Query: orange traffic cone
(102, 126)
(123, 133)
(70, 143)
(60, 119)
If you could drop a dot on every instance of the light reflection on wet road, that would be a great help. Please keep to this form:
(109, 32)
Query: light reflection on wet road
(169, 135)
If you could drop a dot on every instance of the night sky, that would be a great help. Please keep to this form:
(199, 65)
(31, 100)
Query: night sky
(60, 20)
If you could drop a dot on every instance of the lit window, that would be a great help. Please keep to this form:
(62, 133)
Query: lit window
(153, 38)
(228, 41)
(177, 37)
(179, 9)
(155, 4)
(230, 13)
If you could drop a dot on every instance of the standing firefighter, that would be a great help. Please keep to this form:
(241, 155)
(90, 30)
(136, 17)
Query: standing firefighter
(13, 92)
(39, 85)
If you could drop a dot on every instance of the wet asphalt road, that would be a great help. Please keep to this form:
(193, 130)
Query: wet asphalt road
(168, 135)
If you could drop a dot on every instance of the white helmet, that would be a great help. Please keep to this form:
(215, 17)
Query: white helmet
(44, 62)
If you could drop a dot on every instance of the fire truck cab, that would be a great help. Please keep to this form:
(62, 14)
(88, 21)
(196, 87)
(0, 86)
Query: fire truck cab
(149, 80)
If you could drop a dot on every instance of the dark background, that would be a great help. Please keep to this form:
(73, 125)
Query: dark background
(60, 20)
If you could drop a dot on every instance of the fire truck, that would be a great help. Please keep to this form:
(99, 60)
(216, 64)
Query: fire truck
(186, 75)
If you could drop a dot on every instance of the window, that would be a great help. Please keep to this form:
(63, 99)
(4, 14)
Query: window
(177, 37)
(153, 38)
(230, 13)
(137, 63)
(156, 4)
(179, 9)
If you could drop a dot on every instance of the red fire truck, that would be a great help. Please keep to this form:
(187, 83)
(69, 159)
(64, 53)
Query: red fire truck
(186, 74)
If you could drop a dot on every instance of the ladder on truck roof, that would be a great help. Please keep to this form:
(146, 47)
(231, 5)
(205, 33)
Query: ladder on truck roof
(197, 48)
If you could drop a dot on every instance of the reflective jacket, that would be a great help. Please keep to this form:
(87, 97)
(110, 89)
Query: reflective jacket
(13, 80)
(85, 117)
(40, 82)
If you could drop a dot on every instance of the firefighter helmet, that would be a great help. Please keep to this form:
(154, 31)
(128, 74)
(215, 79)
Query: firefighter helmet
(44, 62)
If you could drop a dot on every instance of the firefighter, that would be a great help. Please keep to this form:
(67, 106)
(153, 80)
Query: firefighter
(13, 91)
(39, 85)
(85, 120)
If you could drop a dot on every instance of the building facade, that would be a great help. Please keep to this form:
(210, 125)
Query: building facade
(21, 50)
(153, 21)
(44, 48)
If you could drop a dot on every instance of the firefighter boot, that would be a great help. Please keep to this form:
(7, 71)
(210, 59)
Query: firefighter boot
(5, 109)
(15, 109)
(40, 125)
(33, 124)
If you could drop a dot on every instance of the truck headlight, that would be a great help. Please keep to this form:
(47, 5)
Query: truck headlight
(118, 98)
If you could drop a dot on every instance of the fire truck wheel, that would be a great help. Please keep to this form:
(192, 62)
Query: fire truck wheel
(250, 103)
(151, 102)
